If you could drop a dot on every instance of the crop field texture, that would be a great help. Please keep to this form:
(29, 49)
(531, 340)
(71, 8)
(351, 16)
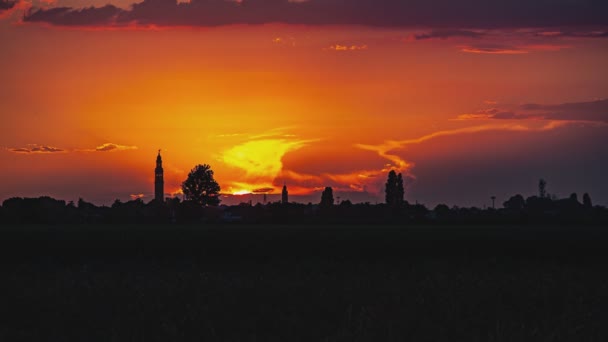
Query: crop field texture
(250, 283)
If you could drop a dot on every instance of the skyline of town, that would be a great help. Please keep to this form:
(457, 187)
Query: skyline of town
(464, 106)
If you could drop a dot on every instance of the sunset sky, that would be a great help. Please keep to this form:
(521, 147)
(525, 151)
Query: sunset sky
(468, 99)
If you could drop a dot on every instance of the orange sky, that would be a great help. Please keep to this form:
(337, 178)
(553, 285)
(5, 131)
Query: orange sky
(310, 106)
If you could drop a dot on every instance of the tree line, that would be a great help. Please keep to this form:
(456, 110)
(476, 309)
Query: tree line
(202, 204)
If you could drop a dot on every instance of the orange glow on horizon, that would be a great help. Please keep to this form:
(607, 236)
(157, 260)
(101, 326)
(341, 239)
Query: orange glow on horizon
(264, 106)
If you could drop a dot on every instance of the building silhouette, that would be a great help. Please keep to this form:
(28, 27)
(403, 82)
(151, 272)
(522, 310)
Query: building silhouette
(284, 195)
(159, 183)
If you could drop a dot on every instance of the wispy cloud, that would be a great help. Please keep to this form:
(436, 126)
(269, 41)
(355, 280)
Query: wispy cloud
(136, 196)
(344, 48)
(289, 41)
(592, 111)
(108, 147)
(572, 34)
(371, 180)
(259, 157)
(35, 148)
(446, 34)
(495, 49)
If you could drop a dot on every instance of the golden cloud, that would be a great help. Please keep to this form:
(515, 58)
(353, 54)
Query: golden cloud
(35, 148)
(260, 160)
(338, 47)
(107, 147)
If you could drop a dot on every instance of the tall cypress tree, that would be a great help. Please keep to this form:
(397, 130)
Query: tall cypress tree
(391, 188)
(327, 198)
(399, 191)
(587, 201)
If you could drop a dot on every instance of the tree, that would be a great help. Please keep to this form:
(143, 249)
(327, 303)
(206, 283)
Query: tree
(399, 192)
(442, 211)
(394, 191)
(200, 187)
(391, 188)
(327, 197)
(542, 188)
(516, 202)
(587, 201)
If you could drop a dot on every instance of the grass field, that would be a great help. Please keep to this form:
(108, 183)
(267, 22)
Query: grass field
(277, 283)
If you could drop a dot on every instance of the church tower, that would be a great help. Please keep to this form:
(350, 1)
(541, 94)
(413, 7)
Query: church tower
(284, 195)
(159, 183)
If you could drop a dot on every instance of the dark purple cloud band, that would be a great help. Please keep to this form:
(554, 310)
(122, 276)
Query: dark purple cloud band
(6, 5)
(596, 111)
(380, 13)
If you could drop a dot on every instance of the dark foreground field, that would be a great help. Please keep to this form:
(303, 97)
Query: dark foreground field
(302, 283)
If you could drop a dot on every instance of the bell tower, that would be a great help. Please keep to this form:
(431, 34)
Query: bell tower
(284, 195)
(159, 183)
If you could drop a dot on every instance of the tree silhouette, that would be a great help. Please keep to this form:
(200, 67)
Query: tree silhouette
(587, 201)
(327, 197)
(391, 188)
(542, 188)
(516, 202)
(200, 187)
(399, 192)
(394, 191)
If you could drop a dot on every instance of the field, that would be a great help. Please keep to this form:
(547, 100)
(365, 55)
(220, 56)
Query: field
(302, 283)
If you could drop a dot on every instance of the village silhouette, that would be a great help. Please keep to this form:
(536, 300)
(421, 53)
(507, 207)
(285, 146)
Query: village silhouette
(201, 203)
(172, 269)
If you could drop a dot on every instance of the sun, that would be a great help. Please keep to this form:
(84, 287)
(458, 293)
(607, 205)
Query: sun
(260, 161)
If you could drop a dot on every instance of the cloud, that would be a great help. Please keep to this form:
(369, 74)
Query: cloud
(263, 169)
(263, 190)
(289, 41)
(372, 180)
(66, 16)
(35, 148)
(592, 111)
(488, 113)
(107, 147)
(497, 49)
(573, 34)
(378, 13)
(339, 47)
(387, 148)
(260, 160)
(136, 196)
(445, 34)
(493, 49)
(7, 4)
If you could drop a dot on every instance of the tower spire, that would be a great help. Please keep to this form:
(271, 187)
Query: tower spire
(284, 194)
(159, 182)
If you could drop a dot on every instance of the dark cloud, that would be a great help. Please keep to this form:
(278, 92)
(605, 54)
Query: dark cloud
(445, 34)
(501, 49)
(66, 16)
(573, 34)
(6, 5)
(577, 111)
(382, 13)
(494, 49)
(587, 111)
(263, 190)
(504, 115)
(34, 148)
